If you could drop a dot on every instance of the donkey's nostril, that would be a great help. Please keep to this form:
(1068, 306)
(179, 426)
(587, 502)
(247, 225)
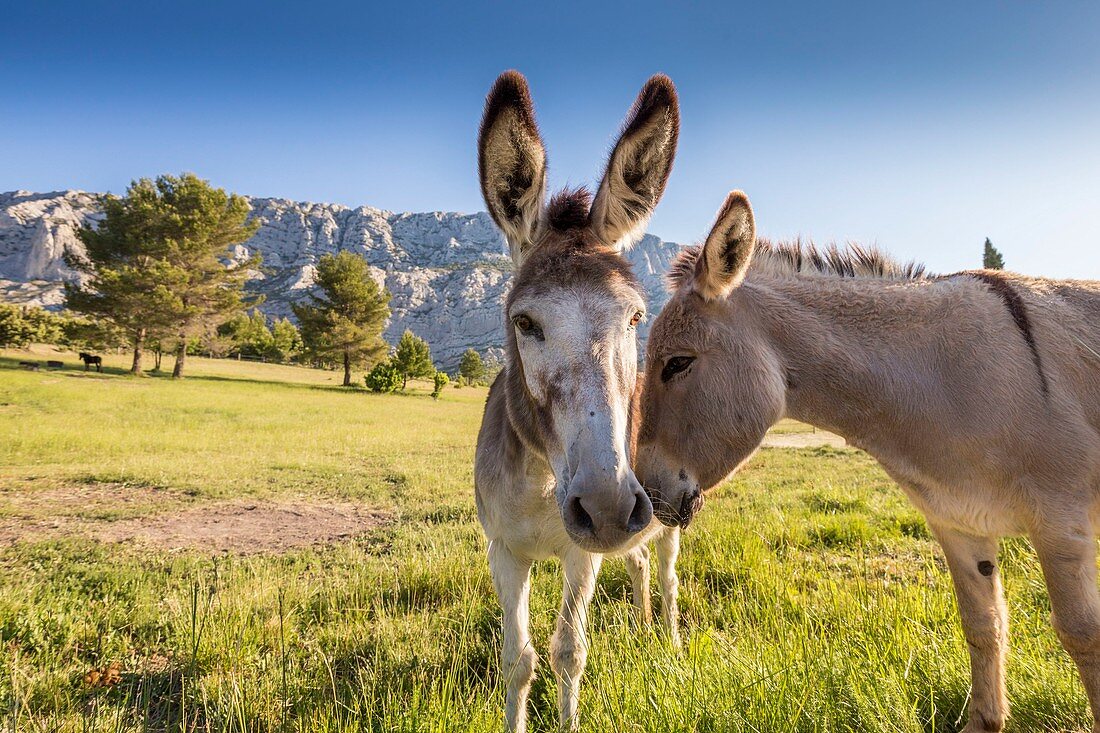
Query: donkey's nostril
(580, 517)
(641, 515)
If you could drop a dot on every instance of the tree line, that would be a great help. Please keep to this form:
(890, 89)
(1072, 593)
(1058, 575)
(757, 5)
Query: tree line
(162, 272)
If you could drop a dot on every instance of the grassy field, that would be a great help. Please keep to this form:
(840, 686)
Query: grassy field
(813, 598)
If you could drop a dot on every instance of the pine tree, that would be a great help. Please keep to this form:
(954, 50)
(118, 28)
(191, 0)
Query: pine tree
(158, 265)
(991, 258)
(127, 282)
(413, 358)
(346, 322)
(471, 367)
(201, 224)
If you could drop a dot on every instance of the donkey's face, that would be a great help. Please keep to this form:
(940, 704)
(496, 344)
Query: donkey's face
(575, 305)
(712, 385)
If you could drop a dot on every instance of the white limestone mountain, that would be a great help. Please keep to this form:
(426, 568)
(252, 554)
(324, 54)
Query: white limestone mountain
(448, 272)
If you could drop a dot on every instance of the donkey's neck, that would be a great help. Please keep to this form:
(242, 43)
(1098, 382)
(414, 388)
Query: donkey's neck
(857, 353)
(527, 421)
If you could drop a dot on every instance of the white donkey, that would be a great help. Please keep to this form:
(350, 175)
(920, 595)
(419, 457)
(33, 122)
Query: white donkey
(553, 472)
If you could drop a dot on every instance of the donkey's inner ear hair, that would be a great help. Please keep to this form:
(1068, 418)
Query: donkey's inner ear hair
(512, 162)
(639, 165)
(728, 250)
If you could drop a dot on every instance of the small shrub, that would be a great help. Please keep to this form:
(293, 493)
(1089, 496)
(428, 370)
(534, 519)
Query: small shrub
(384, 377)
(440, 380)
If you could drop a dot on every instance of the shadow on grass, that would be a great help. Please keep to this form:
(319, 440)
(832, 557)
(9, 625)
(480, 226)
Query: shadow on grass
(354, 388)
(69, 370)
(77, 371)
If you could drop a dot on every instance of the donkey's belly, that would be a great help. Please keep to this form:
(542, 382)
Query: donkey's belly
(967, 509)
(964, 506)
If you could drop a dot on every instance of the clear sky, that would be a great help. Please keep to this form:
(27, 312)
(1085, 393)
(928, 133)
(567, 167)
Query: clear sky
(923, 127)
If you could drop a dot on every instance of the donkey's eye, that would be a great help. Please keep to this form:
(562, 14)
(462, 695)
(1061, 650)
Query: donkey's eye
(636, 318)
(674, 366)
(527, 327)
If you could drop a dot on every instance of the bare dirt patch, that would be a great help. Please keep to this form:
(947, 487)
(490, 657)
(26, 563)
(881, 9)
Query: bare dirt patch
(94, 499)
(247, 527)
(173, 521)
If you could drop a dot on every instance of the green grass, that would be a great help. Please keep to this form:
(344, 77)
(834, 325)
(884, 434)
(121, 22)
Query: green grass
(813, 597)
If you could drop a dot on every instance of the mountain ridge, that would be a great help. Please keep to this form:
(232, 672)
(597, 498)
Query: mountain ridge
(448, 272)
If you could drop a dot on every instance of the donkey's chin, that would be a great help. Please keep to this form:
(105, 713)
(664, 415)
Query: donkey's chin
(607, 542)
(679, 512)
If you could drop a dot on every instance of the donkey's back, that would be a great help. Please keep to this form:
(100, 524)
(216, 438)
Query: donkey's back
(1065, 318)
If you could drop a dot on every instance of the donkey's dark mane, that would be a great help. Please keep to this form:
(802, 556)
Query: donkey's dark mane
(806, 259)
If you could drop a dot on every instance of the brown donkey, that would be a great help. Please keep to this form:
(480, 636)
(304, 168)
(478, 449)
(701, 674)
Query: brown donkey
(978, 392)
(552, 472)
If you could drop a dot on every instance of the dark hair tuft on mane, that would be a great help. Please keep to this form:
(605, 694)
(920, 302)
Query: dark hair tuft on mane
(568, 209)
(851, 260)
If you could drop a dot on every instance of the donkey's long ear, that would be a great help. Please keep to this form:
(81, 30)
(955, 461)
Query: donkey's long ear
(728, 249)
(640, 163)
(511, 162)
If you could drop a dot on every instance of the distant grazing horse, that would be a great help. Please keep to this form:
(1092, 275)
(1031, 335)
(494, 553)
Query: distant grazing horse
(552, 471)
(92, 360)
(978, 392)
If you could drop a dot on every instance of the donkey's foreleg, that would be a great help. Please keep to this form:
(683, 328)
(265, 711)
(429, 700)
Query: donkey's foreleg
(668, 549)
(569, 647)
(512, 580)
(1069, 568)
(973, 565)
(637, 567)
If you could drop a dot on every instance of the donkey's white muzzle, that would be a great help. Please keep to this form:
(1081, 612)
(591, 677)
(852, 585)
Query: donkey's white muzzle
(602, 512)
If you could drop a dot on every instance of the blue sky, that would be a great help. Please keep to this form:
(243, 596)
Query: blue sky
(924, 127)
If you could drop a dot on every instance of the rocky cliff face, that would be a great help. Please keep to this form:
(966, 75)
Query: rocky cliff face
(448, 272)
